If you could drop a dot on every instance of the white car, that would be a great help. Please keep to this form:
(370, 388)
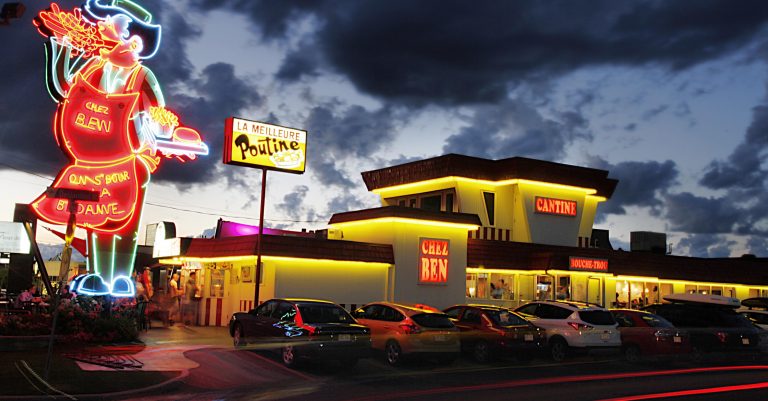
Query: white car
(573, 326)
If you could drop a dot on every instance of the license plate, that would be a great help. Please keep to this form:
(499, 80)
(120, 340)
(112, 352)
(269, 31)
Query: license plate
(677, 339)
(440, 337)
(529, 337)
(745, 341)
(605, 336)
(345, 337)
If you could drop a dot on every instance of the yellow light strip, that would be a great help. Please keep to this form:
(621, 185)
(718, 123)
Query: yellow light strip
(760, 287)
(454, 180)
(252, 259)
(597, 198)
(403, 220)
(580, 273)
(504, 271)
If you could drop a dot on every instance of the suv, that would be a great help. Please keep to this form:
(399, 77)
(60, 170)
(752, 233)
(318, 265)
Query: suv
(401, 330)
(712, 328)
(573, 326)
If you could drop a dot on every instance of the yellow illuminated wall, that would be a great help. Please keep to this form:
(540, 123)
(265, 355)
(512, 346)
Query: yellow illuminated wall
(514, 206)
(404, 235)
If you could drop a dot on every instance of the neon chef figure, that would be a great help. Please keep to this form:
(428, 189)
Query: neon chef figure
(112, 124)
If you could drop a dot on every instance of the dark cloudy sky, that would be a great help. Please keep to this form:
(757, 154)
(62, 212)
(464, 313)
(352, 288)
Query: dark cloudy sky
(669, 96)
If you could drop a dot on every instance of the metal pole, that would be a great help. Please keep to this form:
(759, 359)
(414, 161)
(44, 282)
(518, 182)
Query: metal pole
(261, 232)
(66, 256)
(39, 257)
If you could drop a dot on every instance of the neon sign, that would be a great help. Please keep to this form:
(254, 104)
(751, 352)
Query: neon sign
(433, 260)
(560, 207)
(256, 144)
(112, 124)
(587, 264)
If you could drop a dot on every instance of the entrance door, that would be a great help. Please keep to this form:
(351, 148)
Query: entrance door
(595, 291)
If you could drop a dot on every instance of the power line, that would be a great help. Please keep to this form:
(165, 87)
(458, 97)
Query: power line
(176, 207)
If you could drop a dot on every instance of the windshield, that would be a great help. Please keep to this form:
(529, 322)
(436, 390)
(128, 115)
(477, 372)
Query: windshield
(433, 320)
(320, 313)
(656, 321)
(505, 318)
(597, 317)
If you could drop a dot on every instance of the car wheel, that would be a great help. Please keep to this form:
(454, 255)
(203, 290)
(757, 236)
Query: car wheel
(482, 352)
(290, 359)
(393, 353)
(558, 348)
(632, 353)
(238, 339)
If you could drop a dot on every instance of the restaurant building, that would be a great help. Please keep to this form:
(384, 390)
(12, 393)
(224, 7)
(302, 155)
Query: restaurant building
(454, 229)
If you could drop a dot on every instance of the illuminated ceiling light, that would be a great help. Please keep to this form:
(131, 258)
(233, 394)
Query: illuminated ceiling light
(447, 181)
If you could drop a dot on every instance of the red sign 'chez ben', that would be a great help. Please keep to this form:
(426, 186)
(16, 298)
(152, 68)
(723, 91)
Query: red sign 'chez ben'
(433, 261)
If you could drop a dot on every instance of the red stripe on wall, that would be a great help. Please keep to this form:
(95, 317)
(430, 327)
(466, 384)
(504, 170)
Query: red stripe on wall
(219, 305)
(208, 312)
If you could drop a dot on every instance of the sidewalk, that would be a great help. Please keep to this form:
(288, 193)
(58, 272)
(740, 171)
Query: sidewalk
(165, 347)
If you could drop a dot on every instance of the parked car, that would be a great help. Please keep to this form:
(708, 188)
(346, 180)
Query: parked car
(302, 329)
(644, 334)
(573, 326)
(406, 330)
(488, 331)
(712, 327)
(756, 310)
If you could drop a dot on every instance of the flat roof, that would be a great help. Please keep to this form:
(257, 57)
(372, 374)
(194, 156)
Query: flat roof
(455, 165)
(405, 213)
(288, 246)
(525, 256)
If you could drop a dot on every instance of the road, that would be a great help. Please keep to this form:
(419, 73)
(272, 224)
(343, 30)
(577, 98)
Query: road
(247, 375)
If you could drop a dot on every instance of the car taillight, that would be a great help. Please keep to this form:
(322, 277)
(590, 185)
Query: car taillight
(579, 326)
(723, 337)
(410, 328)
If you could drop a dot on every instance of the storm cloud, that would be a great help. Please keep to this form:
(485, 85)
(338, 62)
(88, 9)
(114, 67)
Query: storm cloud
(459, 52)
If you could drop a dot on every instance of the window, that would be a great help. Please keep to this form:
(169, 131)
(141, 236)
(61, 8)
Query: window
(505, 318)
(265, 310)
(623, 320)
(545, 311)
(322, 313)
(502, 286)
(453, 313)
(471, 316)
(431, 203)
(412, 202)
(372, 312)
(391, 315)
(285, 312)
(529, 309)
(490, 207)
(449, 202)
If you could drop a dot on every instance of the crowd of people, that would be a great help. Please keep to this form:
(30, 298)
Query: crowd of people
(173, 302)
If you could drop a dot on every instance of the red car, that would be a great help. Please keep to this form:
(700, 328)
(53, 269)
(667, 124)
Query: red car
(644, 334)
(489, 331)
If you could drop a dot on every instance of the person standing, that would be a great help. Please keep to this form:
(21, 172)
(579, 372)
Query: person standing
(189, 306)
(176, 292)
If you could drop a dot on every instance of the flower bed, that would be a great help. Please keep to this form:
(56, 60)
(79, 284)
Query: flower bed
(81, 319)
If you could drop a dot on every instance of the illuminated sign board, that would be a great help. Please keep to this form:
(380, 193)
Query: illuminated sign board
(261, 145)
(113, 125)
(433, 260)
(559, 207)
(13, 238)
(587, 264)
